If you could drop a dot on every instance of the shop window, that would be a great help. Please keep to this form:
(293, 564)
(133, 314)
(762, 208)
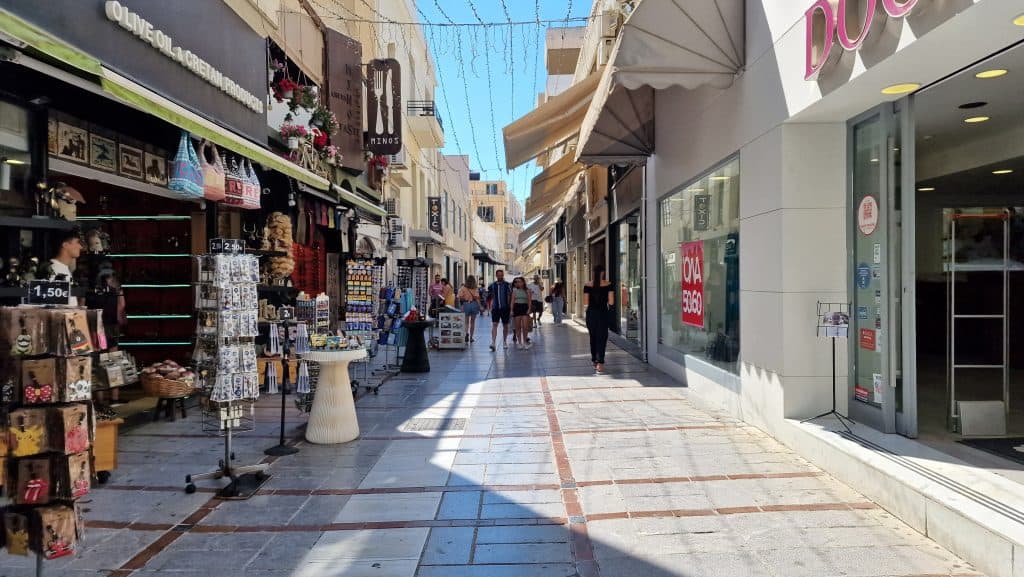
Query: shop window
(15, 159)
(699, 277)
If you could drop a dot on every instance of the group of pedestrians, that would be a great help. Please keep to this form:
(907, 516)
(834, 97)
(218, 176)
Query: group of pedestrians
(521, 304)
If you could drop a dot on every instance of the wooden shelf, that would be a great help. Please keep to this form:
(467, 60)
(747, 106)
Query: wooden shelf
(38, 223)
(66, 167)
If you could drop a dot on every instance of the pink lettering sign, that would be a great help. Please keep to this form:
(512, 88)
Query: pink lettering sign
(848, 21)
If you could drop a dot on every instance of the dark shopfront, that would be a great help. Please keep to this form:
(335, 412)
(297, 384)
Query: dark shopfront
(70, 123)
(625, 256)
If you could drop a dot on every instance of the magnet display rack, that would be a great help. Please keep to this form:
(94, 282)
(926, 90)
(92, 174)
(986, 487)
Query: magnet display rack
(225, 355)
(363, 281)
(414, 274)
(48, 426)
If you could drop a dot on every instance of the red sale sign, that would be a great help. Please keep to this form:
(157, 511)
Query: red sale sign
(692, 283)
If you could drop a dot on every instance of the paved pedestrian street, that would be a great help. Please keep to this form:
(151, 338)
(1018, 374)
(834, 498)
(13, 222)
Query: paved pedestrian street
(507, 464)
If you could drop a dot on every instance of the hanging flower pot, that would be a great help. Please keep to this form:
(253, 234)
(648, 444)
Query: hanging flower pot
(287, 94)
(293, 143)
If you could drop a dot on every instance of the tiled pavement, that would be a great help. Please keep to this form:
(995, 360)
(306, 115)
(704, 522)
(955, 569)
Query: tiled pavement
(556, 473)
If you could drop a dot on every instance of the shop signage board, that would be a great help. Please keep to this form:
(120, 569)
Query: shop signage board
(384, 107)
(701, 212)
(345, 96)
(692, 283)
(850, 23)
(201, 55)
(434, 214)
(867, 215)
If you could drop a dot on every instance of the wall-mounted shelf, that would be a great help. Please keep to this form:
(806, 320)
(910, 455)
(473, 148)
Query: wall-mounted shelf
(66, 167)
(149, 255)
(111, 218)
(39, 223)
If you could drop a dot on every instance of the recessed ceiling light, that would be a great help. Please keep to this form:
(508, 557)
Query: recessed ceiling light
(13, 161)
(926, 189)
(874, 160)
(976, 119)
(1019, 21)
(994, 73)
(970, 105)
(720, 177)
(1003, 171)
(905, 88)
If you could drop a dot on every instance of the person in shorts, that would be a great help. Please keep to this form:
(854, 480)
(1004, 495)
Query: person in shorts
(536, 299)
(499, 301)
(521, 309)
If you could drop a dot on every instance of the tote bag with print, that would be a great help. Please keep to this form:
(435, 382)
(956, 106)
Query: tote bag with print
(186, 175)
(213, 171)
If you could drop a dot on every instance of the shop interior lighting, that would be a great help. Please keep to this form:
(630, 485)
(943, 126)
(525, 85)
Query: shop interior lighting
(720, 178)
(905, 88)
(926, 189)
(13, 161)
(994, 73)
(1019, 21)
(976, 119)
(694, 190)
(874, 160)
(1003, 171)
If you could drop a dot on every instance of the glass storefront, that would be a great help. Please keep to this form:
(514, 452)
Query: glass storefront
(699, 268)
(630, 289)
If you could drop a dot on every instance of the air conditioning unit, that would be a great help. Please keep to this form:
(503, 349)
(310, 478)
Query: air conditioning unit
(398, 233)
(397, 160)
(604, 50)
(391, 206)
(610, 20)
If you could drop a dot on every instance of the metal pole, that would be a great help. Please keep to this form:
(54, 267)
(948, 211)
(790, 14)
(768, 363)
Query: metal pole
(281, 449)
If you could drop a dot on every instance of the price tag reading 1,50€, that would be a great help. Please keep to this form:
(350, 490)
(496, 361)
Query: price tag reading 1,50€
(47, 292)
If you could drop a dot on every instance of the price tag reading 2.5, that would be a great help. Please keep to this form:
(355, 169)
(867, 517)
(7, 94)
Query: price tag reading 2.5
(47, 292)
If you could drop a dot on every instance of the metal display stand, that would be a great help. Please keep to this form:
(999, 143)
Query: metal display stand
(833, 324)
(226, 337)
(281, 449)
(1000, 266)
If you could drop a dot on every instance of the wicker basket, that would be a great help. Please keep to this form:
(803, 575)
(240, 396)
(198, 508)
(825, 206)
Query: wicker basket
(157, 386)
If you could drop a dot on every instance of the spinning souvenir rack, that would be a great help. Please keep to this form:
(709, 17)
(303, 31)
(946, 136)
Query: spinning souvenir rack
(225, 358)
(364, 279)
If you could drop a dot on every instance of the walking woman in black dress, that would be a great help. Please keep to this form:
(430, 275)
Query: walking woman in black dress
(598, 297)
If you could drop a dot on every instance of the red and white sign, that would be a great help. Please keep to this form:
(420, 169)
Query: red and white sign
(692, 282)
(868, 339)
(829, 20)
(867, 215)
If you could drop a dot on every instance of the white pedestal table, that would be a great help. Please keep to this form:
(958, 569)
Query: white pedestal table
(332, 419)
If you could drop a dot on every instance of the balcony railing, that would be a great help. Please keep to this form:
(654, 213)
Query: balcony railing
(424, 108)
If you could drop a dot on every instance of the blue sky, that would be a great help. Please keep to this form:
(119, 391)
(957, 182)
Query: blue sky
(466, 93)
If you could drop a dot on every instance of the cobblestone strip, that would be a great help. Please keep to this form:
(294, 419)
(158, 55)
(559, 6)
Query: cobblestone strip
(579, 539)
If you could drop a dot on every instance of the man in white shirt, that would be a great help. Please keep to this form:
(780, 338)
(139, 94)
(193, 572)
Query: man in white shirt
(68, 249)
(537, 296)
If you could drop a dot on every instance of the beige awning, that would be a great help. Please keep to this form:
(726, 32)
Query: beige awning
(540, 227)
(662, 43)
(549, 188)
(549, 124)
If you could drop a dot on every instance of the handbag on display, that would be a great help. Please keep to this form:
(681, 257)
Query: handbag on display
(252, 187)
(234, 183)
(213, 172)
(186, 175)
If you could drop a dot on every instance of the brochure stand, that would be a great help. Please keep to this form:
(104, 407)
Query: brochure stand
(288, 321)
(833, 323)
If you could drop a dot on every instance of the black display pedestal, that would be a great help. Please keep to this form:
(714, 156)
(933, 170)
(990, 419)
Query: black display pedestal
(416, 360)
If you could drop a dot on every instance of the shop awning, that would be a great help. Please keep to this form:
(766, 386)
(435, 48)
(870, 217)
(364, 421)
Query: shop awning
(25, 34)
(662, 43)
(350, 197)
(144, 99)
(533, 233)
(549, 188)
(549, 124)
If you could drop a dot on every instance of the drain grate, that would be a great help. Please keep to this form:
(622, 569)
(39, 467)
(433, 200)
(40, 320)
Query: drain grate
(435, 425)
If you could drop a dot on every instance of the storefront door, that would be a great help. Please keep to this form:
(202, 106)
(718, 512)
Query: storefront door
(879, 165)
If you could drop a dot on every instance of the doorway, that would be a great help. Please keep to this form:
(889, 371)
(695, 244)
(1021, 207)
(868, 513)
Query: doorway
(969, 252)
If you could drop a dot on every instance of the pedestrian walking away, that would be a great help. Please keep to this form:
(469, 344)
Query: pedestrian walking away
(447, 293)
(598, 297)
(499, 302)
(469, 296)
(536, 299)
(521, 310)
(557, 300)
